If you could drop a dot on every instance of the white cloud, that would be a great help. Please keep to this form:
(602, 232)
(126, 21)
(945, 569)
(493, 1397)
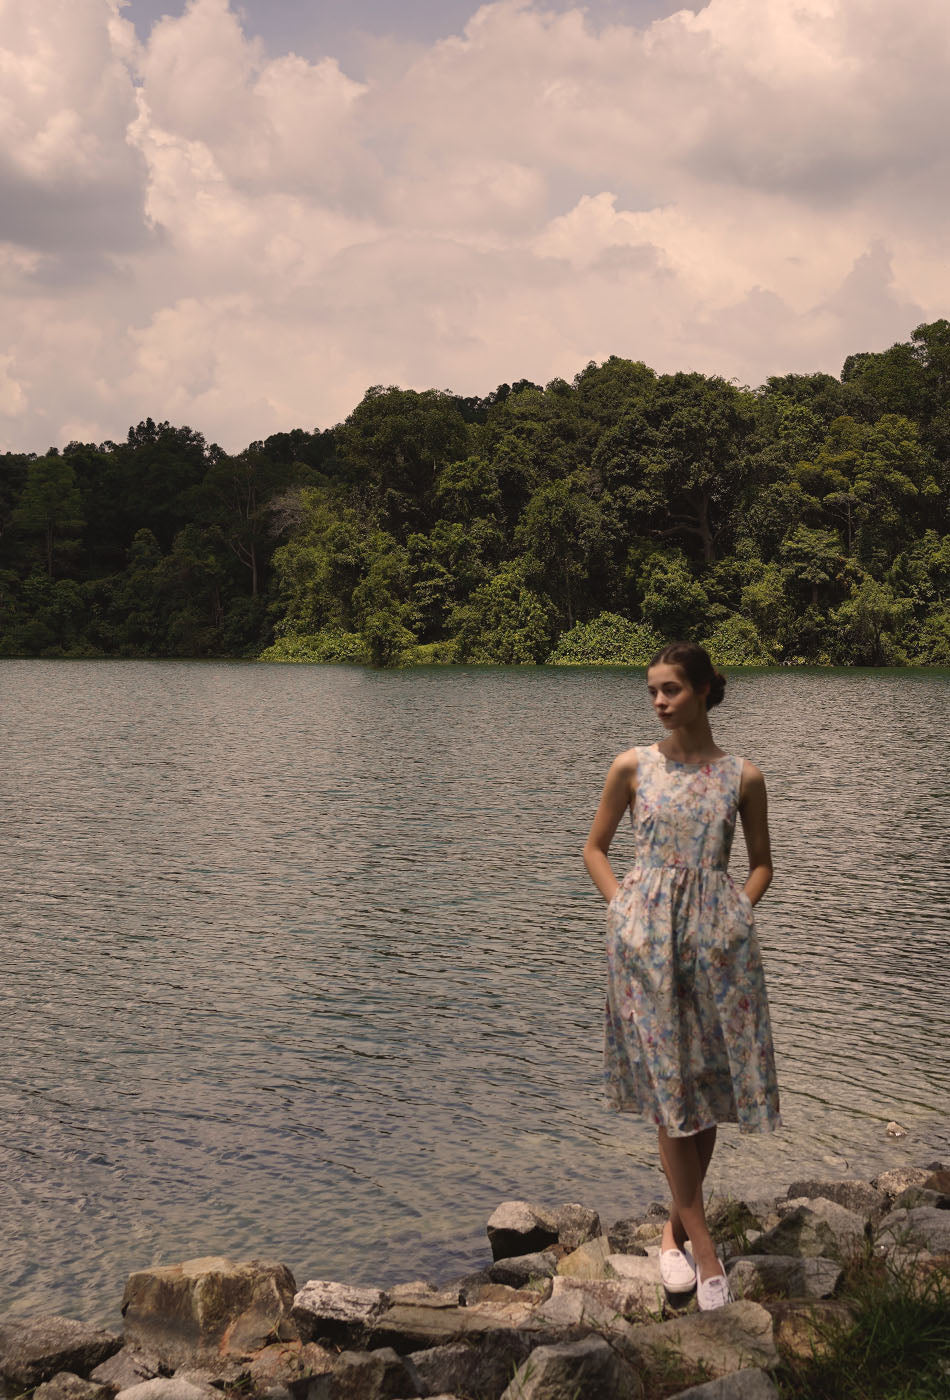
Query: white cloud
(200, 231)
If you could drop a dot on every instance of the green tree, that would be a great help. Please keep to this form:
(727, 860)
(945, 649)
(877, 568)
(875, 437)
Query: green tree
(674, 603)
(504, 622)
(393, 447)
(49, 509)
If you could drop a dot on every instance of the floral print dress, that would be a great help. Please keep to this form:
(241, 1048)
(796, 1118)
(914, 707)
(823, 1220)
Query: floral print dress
(688, 1041)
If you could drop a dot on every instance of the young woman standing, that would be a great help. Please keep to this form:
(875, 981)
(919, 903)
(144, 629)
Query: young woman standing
(688, 1041)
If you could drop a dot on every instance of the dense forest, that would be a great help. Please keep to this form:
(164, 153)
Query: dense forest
(805, 521)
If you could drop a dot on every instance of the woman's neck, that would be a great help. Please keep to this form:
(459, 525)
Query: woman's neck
(690, 743)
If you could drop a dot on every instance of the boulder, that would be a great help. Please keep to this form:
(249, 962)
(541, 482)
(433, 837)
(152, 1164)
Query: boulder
(920, 1196)
(481, 1371)
(366, 1375)
(469, 1284)
(622, 1237)
(170, 1388)
(859, 1196)
(33, 1349)
(893, 1182)
(516, 1228)
(576, 1224)
(532, 1293)
(412, 1327)
(807, 1329)
(336, 1312)
(783, 1276)
(520, 1268)
(730, 1218)
(206, 1308)
(66, 1386)
(588, 1261)
(724, 1340)
(741, 1385)
(600, 1303)
(646, 1268)
(124, 1369)
(813, 1228)
(287, 1366)
(939, 1180)
(588, 1367)
(923, 1227)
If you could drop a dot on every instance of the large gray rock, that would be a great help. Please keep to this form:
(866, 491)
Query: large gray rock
(783, 1276)
(480, 1370)
(124, 1369)
(208, 1308)
(520, 1269)
(576, 1224)
(421, 1291)
(920, 1196)
(741, 1385)
(623, 1238)
(286, 1366)
(813, 1228)
(534, 1292)
(859, 1196)
(169, 1388)
(517, 1227)
(366, 1375)
(66, 1386)
(588, 1367)
(924, 1227)
(596, 1304)
(725, 1340)
(412, 1327)
(587, 1261)
(631, 1266)
(336, 1312)
(32, 1349)
(893, 1182)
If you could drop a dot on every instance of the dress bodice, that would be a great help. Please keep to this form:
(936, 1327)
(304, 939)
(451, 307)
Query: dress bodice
(685, 813)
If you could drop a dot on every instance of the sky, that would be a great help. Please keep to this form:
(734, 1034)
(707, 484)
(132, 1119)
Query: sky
(239, 217)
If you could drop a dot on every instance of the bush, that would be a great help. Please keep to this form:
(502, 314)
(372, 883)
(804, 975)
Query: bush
(330, 645)
(736, 642)
(607, 640)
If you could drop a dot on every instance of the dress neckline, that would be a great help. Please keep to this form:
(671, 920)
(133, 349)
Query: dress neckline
(678, 763)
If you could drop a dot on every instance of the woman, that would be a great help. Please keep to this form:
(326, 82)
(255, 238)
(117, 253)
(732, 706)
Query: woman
(688, 1042)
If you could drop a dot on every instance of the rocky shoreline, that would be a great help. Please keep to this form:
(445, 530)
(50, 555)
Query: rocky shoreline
(565, 1308)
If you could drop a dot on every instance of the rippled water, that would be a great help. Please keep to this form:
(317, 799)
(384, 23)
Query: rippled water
(302, 962)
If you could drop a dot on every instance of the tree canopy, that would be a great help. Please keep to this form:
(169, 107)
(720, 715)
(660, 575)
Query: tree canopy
(805, 521)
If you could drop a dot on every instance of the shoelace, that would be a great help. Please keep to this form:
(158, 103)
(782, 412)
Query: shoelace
(716, 1288)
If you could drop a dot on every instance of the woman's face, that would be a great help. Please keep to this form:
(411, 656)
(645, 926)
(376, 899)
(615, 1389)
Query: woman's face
(674, 699)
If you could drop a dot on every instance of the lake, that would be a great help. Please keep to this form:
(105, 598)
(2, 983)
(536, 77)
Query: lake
(303, 962)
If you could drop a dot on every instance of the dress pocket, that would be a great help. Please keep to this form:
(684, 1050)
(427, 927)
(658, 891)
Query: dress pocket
(747, 905)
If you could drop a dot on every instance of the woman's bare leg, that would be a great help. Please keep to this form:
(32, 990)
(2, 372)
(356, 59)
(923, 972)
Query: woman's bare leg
(685, 1162)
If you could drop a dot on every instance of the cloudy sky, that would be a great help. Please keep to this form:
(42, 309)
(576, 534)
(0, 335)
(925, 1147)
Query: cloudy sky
(240, 216)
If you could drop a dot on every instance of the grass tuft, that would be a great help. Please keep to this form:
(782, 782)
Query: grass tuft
(894, 1346)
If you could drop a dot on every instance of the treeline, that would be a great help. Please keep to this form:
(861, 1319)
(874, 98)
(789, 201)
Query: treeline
(802, 522)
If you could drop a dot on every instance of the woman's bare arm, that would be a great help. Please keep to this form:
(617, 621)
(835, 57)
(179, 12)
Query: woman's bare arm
(619, 790)
(753, 809)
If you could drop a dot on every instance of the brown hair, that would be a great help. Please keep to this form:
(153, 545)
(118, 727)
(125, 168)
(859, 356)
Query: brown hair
(695, 663)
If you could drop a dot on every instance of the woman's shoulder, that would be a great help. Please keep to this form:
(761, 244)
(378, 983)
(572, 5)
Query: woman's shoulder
(751, 778)
(628, 762)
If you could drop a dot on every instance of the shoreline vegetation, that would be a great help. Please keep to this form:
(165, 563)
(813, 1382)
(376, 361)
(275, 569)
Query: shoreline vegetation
(842, 1292)
(803, 522)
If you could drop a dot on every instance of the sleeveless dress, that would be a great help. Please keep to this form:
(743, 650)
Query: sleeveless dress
(688, 1041)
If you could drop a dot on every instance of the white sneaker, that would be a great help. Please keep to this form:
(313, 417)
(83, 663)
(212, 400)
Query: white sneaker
(713, 1292)
(677, 1270)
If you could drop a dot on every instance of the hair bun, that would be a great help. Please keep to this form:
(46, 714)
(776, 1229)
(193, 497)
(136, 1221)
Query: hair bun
(717, 689)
